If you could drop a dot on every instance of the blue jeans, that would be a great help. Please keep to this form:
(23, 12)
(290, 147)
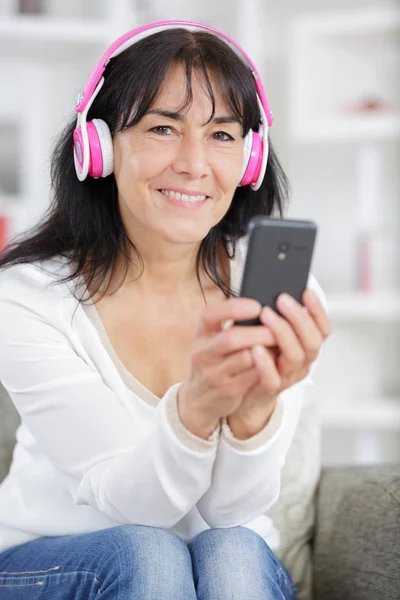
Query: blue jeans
(134, 562)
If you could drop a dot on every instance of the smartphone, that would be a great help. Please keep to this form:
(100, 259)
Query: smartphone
(278, 260)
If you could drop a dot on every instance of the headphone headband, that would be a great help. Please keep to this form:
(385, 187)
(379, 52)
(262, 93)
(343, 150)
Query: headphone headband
(93, 153)
(131, 37)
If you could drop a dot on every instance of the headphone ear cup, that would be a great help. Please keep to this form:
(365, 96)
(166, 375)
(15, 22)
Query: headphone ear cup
(248, 143)
(78, 152)
(253, 157)
(101, 162)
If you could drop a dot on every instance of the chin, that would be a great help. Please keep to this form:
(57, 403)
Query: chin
(187, 235)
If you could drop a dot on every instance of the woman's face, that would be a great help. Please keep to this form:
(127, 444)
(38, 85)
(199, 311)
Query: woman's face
(176, 174)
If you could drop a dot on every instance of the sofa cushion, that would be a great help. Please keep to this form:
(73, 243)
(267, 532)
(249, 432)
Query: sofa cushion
(9, 420)
(357, 542)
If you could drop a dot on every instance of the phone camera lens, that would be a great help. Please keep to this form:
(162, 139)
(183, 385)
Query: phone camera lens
(284, 247)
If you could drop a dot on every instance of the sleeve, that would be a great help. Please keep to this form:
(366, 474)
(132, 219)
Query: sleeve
(247, 473)
(187, 437)
(109, 460)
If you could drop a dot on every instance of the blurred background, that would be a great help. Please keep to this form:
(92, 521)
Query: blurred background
(331, 70)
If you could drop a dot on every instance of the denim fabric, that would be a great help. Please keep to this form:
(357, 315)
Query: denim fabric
(134, 562)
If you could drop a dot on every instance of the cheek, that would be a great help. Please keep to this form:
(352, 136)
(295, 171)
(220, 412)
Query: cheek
(229, 169)
(138, 160)
(130, 155)
(125, 158)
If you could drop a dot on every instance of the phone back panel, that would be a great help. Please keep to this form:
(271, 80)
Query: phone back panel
(278, 260)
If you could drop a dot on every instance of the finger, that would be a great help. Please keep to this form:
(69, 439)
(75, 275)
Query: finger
(237, 386)
(238, 338)
(293, 355)
(270, 379)
(303, 323)
(243, 382)
(235, 363)
(317, 311)
(235, 309)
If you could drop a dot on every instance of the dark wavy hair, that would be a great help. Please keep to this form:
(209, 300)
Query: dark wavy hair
(83, 222)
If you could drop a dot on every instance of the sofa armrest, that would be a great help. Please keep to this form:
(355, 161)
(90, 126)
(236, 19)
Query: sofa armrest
(9, 421)
(356, 548)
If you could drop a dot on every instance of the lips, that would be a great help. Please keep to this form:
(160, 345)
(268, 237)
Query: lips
(184, 196)
(188, 205)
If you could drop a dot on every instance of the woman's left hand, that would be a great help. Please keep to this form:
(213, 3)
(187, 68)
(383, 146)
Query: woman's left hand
(299, 337)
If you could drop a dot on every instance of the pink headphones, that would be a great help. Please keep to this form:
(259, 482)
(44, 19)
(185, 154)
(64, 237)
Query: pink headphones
(93, 149)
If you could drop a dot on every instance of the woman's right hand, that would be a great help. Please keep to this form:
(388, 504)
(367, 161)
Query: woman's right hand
(222, 369)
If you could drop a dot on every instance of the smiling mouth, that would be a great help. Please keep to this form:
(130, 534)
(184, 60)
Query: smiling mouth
(184, 197)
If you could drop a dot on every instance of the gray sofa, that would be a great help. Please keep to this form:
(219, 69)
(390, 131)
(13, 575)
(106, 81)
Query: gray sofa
(356, 544)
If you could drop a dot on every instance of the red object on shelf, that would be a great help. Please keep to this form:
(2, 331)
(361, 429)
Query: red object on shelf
(364, 282)
(3, 232)
(371, 105)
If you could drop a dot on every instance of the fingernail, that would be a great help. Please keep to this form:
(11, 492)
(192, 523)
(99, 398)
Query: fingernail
(314, 296)
(259, 350)
(251, 307)
(286, 300)
(269, 314)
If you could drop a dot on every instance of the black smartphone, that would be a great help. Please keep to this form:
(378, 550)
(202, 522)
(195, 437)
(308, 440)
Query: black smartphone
(278, 260)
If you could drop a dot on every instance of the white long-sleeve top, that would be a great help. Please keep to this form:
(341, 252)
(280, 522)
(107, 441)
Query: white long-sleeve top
(96, 449)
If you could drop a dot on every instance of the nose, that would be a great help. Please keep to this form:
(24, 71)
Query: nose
(191, 158)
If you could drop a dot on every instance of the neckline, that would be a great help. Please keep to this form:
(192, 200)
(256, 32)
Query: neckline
(133, 384)
(130, 381)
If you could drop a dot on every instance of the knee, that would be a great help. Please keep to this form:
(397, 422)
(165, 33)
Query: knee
(235, 562)
(148, 556)
(132, 543)
(233, 541)
(125, 537)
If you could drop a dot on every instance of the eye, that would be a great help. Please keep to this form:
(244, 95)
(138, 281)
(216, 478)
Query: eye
(223, 136)
(161, 130)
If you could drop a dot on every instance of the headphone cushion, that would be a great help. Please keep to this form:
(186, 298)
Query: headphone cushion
(248, 143)
(101, 148)
(254, 157)
(78, 150)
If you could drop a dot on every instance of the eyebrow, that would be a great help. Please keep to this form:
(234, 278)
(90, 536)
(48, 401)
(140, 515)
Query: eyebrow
(177, 116)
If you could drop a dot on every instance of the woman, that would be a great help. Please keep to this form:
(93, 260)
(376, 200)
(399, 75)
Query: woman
(153, 434)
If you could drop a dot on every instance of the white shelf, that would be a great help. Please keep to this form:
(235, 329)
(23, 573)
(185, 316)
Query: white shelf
(340, 60)
(43, 29)
(358, 413)
(377, 306)
(351, 21)
(16, 210)
(7, 201)
(349, 128)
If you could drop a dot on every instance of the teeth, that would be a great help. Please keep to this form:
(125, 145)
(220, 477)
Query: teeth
(183, 197)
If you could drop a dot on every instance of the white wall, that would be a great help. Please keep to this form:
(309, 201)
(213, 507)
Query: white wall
(40, 83)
